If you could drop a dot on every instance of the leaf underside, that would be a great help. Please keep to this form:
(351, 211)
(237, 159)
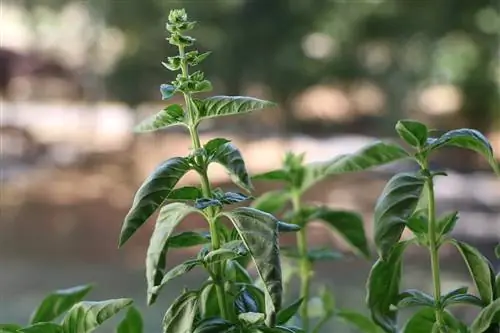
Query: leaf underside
(170, 216)
(258, 230)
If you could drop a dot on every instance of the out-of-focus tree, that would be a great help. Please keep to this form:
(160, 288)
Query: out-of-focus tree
(403, 47)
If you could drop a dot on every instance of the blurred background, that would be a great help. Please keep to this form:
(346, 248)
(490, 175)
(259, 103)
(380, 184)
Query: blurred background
(75, 76)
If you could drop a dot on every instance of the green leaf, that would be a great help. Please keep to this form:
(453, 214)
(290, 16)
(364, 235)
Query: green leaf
(85, 317)
(218, 106)
(347, 224)
(258, 230)
(373, 155)
(454, 292)
(244, 302)
(180, 316)
(480, 270)
(185, 193)
(394, 207)
(489, 315)
(251, 318)
(424, 320)
(167, 91)
(214, 144)
(285, 314)
(202, 86)
(497, 283)
(418, 224)
(223, 152)
(172, 115)
(177, 271)
(9, 328)
(234, 271)
(132, 323)
(497, 251)
(170, 216)
(203, 203)
(188, 239)
(468, 139)
(413, 297)
(152, 193)
(228, 251)
(446, 223)
(383, 287)
(59, 302)
(199, 58)
(256, 293)
(460, 296)
(413, 132)
(278, 329)
(279, 175)
(361, 322)
(41, 328)
(287, 227)
(208, 305)
(271, 202)
(230, 198)
(213, 325)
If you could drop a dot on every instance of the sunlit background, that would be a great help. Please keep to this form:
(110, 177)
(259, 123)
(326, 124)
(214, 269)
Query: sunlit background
(75, 76)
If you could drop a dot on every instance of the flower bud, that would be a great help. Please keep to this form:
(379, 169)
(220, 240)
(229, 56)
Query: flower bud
(177, 16)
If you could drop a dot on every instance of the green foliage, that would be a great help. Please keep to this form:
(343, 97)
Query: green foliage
(480, 269)
(298, 178)
(77, 316)
(288, 312)
(132, 323)
(468, 139)
(425, 321)
(172, 115)
(9, 328)
(383, 287)
(170, 216)
(489, 316)
(42, 328)
(85, 317)
(404, 203)
(180, 316)
(413, 132)
(363, 323)
(219, 106)
(259, 232)
(58, 302)
(152, 193)
(223, 152)
(394, 207)
(229, 300)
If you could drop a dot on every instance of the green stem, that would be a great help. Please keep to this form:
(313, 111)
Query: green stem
(434, 250)
(207, 192)
(305, 266)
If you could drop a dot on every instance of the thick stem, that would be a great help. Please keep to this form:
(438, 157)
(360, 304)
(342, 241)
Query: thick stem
(434, 250)
(305, 266)
(207, 193)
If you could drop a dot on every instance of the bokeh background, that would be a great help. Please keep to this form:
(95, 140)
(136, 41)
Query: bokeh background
(75, 76)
